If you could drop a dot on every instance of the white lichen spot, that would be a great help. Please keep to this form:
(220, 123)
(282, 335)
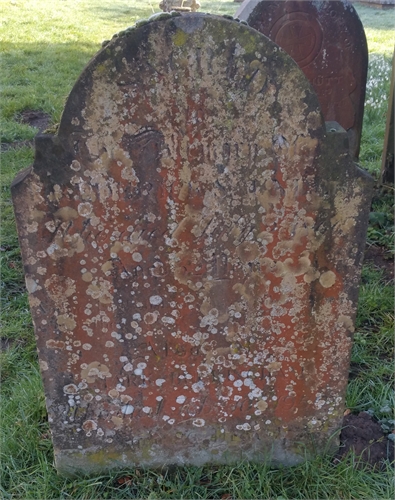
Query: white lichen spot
(274, 366)
(198, 386)
(167, 320)
(95, 370)
(128, 367)
(75, 165)
(255, 393)
(43, 365)
(155, 300)
(137, 257)
(55, 344)
(31, 285)
(113, 393)
(261, 405)
(70, 389)
(244, 427)
(87, 347)
(51, 226)
(89, 425)
(85, 209)
(180, 400)
(199, 422)
(127, 409)
(160, 381)
(125, 398)
(150, 318)
(204, 370)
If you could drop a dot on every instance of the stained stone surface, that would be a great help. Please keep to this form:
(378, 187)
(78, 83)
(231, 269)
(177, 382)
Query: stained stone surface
(192, 241)
(327, 40)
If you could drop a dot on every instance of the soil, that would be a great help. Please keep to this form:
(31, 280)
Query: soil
(380, 258)
(361, 433)
(365, 437)
(4, 344)
(34, 118)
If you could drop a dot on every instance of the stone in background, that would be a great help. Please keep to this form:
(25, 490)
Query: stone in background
(327, 40)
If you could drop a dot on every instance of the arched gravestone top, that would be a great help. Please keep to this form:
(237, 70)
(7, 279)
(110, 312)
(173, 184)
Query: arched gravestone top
(327, 40)
(192, 242)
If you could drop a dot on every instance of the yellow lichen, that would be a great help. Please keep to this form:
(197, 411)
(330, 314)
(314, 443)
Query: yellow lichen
(180, 38)
(327, 279)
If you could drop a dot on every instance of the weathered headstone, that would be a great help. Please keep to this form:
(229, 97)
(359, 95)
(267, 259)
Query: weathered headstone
(327, 40)
(192, 241)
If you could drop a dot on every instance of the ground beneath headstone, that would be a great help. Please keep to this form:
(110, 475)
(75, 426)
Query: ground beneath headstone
(379, 257)
(365, 437)
(34, 118)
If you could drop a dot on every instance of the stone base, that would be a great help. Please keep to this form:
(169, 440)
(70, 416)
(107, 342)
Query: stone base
(230, 449)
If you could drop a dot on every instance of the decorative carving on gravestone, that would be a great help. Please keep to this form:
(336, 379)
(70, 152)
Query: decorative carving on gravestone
(327, 40)
(179, 5)
(192, 241)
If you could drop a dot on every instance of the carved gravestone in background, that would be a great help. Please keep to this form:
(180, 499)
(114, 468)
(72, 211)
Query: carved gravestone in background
(327, 40)
(192, 241)
(179, 5)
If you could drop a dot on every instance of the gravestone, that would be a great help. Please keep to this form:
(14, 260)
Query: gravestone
(192, 240)
(179, 5)
(327, 40)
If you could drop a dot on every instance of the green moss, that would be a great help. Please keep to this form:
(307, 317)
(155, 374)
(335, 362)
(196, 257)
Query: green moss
(179, 38)
(101, 68)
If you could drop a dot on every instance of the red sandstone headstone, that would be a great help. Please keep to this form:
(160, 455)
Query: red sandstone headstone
(327, 40)
(192, 241)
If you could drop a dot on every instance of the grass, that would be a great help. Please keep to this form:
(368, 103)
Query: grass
(44, 47)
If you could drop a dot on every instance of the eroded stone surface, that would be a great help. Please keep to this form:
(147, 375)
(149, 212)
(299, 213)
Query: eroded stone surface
(327, 40)
(192, 241)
